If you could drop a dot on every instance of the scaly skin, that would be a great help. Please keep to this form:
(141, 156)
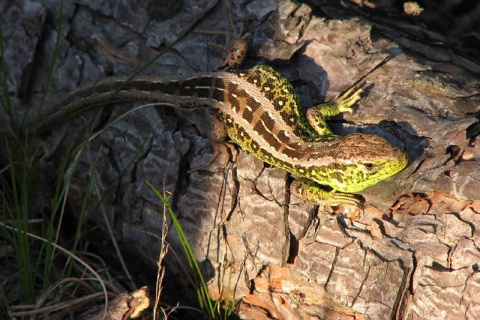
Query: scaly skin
(261, 113)
(346, 164)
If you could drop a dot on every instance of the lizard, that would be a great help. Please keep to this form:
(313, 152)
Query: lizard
(236, 46)
(259, 111)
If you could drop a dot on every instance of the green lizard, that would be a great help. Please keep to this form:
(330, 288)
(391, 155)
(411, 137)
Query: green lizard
(260, 112)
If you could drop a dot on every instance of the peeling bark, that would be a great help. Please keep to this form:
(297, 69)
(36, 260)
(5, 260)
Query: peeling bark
(413, 253)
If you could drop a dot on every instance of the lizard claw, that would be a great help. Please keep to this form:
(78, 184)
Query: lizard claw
(226, 148)
(311, 192)
(348, 99)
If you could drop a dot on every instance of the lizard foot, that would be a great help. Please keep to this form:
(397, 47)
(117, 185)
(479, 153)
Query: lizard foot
(226, 148)
(236, 45)
(346, 100)
(312, 193)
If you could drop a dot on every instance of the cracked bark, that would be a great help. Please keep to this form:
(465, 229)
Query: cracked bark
(413, 254)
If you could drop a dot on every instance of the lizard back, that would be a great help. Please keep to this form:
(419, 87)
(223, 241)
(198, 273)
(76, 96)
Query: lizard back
(259, 107)
(262, 114)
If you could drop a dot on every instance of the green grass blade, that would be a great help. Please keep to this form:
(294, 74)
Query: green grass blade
(19, 217)
(202, 290)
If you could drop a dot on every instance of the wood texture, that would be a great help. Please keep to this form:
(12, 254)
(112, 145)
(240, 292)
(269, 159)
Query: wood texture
(412, 254)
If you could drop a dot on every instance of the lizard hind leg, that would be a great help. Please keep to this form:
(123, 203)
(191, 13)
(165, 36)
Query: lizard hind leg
(218, 148)
(235, 47)
(217, 134)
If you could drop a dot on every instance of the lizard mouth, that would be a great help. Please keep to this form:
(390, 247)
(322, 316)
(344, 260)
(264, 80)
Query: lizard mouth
(390, 168)
(357, 177)
(402, 161)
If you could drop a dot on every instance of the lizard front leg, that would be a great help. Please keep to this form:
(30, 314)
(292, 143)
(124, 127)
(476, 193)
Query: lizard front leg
(311, 192)
(317, 115)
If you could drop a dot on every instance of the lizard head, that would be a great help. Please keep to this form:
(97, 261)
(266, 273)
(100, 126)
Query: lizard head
(362, 160)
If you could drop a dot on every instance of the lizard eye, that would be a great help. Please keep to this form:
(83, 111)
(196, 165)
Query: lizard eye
(369, 166)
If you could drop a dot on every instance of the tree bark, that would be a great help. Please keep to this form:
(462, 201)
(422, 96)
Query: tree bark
(412, 253)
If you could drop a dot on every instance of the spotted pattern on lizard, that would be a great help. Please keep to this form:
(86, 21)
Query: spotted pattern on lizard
(262, 114)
